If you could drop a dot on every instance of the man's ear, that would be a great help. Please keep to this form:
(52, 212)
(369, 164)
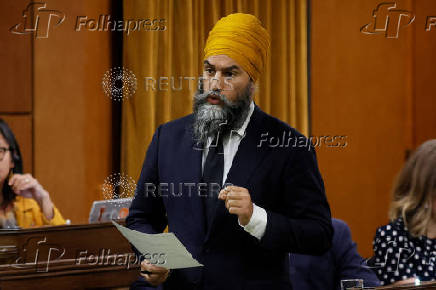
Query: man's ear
(200, 85)
(252, 87)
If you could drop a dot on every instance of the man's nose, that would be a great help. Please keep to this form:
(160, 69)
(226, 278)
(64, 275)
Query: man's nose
(216, 82)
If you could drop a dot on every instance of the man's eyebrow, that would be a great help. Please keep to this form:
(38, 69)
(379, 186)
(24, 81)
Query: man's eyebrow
(233, 67)
(206, 63)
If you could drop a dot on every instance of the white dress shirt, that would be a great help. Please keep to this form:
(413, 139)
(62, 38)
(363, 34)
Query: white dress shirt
(257, 224)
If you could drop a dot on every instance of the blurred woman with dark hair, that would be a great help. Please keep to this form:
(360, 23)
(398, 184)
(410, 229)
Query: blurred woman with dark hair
(405, 249)
(23, 201)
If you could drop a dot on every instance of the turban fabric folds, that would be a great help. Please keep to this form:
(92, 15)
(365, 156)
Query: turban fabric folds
(243, 38)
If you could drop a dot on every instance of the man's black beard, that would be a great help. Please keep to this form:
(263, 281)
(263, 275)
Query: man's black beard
(210, 119)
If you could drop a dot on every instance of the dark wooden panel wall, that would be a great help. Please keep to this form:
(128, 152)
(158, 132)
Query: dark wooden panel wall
(379, 93)
(53, 100)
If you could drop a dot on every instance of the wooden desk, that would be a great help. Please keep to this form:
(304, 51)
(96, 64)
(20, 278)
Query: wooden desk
(423, 286)
(66, 257)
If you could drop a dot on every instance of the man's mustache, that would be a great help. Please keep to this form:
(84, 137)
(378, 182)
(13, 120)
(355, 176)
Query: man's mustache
(203, 96)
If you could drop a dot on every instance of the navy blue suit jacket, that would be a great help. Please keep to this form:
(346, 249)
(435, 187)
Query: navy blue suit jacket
(341, 262)
(285, 181)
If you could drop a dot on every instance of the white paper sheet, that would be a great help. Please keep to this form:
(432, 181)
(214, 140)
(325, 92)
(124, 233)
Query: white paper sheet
(168, 251)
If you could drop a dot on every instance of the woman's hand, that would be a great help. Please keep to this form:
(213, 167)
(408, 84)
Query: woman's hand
(27, 186)
(405, 282)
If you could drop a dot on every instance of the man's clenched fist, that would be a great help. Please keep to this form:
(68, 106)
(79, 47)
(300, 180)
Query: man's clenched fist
(238, 201)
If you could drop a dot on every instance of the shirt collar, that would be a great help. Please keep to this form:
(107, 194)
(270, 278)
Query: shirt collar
(241, 131)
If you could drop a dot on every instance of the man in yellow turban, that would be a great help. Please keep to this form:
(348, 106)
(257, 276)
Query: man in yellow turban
(242, 38)
(223, 181)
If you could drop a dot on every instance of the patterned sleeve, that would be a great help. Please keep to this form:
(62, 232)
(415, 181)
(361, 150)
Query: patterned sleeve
(391, 256)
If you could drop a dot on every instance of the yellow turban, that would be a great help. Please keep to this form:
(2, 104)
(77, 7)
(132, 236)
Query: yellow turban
(241, 37)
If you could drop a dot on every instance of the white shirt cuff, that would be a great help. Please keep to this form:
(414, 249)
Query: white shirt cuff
(257, 224)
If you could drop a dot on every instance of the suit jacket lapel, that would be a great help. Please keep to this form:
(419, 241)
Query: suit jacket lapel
(249, 154)
(193, 161)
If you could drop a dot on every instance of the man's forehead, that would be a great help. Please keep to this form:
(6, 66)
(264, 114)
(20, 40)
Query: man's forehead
(221, 61)
(2, 140)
